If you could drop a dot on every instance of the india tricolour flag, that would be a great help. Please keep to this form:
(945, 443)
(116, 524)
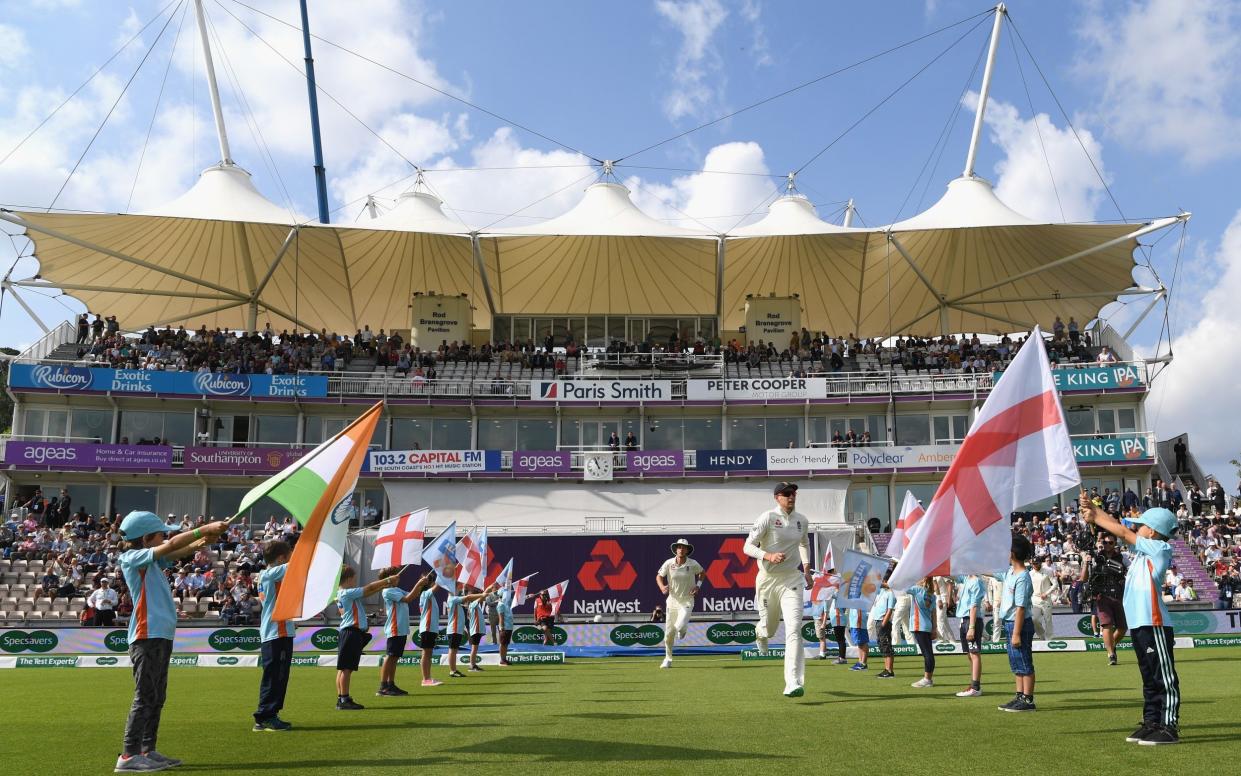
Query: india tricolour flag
(316, 490)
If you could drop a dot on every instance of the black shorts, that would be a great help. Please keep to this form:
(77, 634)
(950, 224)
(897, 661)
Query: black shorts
(506, 637)
(476, 639)
(396, 645)
(454, 640)
(885, 639)
(971, 646)
(427, 639)
(1111, 613)
(547, 622)
(352, 642)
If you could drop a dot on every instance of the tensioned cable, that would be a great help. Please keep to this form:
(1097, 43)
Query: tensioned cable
(84, 84)
(1034, 117)
(435, 89)
(319, 88)
(119, 97)
(1064, 114)
(589, 175)
(689, 170)
(890, 95)
(941, 141)
(801, 86)
(155, 112)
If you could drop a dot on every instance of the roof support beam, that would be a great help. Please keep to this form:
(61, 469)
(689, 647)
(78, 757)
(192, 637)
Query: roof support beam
(480, 265)
(287, 316)
(1162, 293)
(13, 218)
(1154, 226)
(913, 265)
(185, 316)
(992, 316)
(719, 288)
(117, 290)
(275, 262)
(18, 298)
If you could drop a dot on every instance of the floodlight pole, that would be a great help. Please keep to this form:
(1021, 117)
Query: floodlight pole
(320, 171)
(226, 157)
(985, 91)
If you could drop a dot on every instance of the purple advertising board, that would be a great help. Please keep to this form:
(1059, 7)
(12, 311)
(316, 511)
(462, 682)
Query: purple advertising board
(541, 462)
(246, 459)
(616, 574)
(647, 461)
(76, 455)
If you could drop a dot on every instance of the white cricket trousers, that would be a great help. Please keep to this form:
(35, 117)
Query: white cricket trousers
(779, 598)
(942, 625)
(901, 634)
(676, 622)
(1042, 620)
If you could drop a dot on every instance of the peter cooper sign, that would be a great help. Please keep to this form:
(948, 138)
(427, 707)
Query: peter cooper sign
(757, 389)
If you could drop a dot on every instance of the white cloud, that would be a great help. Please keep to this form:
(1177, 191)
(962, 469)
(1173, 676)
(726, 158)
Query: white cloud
(711, 199)
(760, 50)
(1169, 75)
(1069, 191)
(13, 47)
(697, 86)
(1196, 393)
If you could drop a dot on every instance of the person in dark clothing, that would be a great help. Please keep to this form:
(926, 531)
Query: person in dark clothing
(1182, 455)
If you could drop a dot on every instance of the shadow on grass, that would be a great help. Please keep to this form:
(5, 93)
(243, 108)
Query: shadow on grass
(290, 766)
(610, 715)
(578, 750)
(377, 726)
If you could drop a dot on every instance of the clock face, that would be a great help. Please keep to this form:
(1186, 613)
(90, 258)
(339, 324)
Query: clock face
(599, 467)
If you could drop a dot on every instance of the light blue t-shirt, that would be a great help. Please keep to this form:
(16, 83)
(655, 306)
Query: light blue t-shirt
(352, 610)
(972, 592)
(429, 617)
(884, 601)
(155, 613)
(835, 615)
(857, 618)
(1018, 591)
(920, 607)
(1144, 584)
(269, 588)
(476, 618)
(505, 609)
(455, 614)
(396, 612)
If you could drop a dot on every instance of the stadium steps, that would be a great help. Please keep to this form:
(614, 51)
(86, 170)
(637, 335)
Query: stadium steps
(1191, 568)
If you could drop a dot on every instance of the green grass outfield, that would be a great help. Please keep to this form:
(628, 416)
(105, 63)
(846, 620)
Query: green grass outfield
(709, 714)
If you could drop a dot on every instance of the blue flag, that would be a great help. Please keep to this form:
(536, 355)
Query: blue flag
(441, 555)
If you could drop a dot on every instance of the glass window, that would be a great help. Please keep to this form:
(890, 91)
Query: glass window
(616, 328)
(635, 426)
(451, 434)
(913, 430)
(703, 433)
(859, 502)
(179, 428)
(784, 432)
(1126, 419)
(879, 504)
(596, 331)
(96, 424)
(878, 426)
(746, 433)
(57, 424)
(665, 433)
(411, 434)
(924, 492)
(179, 501)
(141, 427)
(497, 434)
(708, 329)
(275, 429)
(1107, 422)
(127, 498)
(536, 434)
(33, 422)
(222, 428)
(1080, 420)
(501, 328)
(88, 496)
(570, 432)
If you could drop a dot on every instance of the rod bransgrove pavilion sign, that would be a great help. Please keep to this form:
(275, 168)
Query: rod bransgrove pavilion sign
(439, 319)
(772, 319)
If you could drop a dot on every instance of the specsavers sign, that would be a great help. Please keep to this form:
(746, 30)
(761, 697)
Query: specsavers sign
(757, 389)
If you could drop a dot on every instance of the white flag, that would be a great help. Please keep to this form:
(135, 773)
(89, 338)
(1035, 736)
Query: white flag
(911, 513)
(1017, 452)
(398, 541)
(555, 595)
(521, 590)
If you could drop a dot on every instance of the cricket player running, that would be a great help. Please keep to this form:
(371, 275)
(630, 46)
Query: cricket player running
(680, 579)
(779, 587)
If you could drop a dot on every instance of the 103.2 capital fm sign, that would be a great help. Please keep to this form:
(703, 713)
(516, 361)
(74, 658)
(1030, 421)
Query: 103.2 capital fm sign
(616, 574)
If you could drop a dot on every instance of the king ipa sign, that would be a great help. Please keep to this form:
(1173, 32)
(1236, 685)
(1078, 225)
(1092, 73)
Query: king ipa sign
(438, 319)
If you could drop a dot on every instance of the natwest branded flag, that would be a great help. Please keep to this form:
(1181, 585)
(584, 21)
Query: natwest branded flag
(398, 542)
(1017, 452)
(441, 555)
(505, 575)
(521, 589)
(555, 595)
(911, 513)
(472, 555)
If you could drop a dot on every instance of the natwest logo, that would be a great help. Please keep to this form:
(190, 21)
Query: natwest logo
(62, 378)
(607, 569)
(733, 568)
(216, 384)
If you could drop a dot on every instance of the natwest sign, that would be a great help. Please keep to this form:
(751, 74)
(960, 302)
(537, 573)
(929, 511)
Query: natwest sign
(600, 390)
(757, 388)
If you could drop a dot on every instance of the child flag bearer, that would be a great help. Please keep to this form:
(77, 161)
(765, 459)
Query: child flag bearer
(396, 628)
(353, 633)
(1147, 617)
(151, 628)
(277, 642)
(1018, 625)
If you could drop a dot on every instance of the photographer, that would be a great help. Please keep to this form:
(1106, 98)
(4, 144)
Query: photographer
(1103, 571)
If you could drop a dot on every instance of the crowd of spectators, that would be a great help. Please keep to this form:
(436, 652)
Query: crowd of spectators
(79, 560)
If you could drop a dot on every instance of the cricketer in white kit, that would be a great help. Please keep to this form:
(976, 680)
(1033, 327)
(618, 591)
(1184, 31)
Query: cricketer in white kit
(778, 541)
(679, 578)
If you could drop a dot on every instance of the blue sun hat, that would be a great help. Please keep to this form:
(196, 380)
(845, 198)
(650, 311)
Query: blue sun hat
(138, 524)
(1158, 518)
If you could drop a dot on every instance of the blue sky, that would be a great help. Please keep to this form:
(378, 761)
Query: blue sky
(1151, 88)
